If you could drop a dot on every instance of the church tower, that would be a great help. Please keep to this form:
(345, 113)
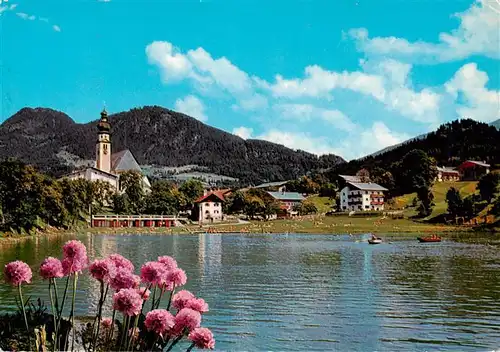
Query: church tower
(103, 147)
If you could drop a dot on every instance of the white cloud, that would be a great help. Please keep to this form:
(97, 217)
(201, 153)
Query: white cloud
(243, 132)
(301, 140)
(477, 34)
(7, 8)
(191, 106)
(480, 102)
(43, 19)
(56, 28)
(172, 64)
(25, 16)
(307, 112)
(319, 82)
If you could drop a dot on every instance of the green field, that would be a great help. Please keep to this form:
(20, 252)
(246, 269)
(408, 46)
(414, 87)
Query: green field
(439, 190)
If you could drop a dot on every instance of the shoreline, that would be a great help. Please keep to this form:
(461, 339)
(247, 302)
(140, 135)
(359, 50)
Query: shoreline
(314, 225)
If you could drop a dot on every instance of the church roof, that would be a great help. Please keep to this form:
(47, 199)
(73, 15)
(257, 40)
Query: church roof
(124, 161)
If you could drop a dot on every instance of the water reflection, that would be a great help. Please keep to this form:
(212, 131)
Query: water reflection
(306, 292)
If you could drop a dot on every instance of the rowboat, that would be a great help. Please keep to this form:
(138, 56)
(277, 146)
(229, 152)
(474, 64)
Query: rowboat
(375, 241)
(429, 239)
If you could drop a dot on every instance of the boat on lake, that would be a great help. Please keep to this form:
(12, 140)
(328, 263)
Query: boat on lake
(433, 238)
(374, 240)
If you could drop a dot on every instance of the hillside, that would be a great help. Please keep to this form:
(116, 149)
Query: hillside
(450, 144)
(439, 190)
(422, 136)
(158, 137)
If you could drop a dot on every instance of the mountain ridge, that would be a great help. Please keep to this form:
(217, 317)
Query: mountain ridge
(156, 136)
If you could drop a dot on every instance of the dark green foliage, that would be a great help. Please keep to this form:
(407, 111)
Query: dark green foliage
(303, 185)
(455, 202)
(426, 198)
(156, 136)
(131, 184)
(328, 190)
(164, 199)
(489, 186)
(192, 190)
(495, 210)
(235, 203)
(305, 208)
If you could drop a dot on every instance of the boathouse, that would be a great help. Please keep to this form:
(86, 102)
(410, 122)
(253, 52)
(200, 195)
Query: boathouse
(144, 221)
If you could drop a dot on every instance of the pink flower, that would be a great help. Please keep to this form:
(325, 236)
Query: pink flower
(202, 338)
(181, 298)
(75, 257)
(144, 293)
(177, 277)
(75, 250)
(127, 301)
(153, 273)
(169, 262)
(122, 262)
(51, 268)
(106, 323)
(17, 272)
(186, 319)
(197, 304)
(71, 266)
(103, 270)
(124, 279)
(160, 321)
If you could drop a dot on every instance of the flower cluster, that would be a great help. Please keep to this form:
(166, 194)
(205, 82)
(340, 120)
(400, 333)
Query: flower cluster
(75, 257)
(17, 273)
(157, 329)
(51, 268)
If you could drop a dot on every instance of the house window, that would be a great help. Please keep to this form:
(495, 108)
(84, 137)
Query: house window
(367, 207)
(216, 204)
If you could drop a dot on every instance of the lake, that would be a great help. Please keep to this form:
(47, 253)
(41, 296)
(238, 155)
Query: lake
(313, 292)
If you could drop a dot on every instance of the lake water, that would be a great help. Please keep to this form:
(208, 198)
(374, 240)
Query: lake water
(314, 293)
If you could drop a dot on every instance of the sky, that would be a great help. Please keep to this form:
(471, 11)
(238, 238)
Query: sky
(348, 77)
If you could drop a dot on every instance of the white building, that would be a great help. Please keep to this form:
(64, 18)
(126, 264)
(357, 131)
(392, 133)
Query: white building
(108, 167)
(210, 207)
(357, 196)
(447, 174)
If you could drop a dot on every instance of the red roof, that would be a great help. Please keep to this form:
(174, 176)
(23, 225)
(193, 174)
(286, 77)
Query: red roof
(472, 163)
(218, 194)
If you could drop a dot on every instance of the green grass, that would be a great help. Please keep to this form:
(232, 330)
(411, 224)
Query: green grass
(439, 190)
(323, 204)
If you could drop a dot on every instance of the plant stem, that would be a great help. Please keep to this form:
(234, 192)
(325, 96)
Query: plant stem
(175, 342)
(124, 328)
(153, 300)
(75, 280)
(190, 347)
(56, 293)
(24, 313)
(53, 314)
(111, 333)
(62, 304)
(95, 333)
(132, 338)
(170, 299)
(157, 304)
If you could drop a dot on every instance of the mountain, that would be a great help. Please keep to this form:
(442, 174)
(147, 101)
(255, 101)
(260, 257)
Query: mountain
(496, 124)
(158, 138)
(450, 144)
(422, 136)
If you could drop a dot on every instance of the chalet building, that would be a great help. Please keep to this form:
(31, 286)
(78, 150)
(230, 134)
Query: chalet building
(210, 206)
(357, 196)
(108, 167)
(287, 201)
(273, 186)
(471, 170)
(447, 174)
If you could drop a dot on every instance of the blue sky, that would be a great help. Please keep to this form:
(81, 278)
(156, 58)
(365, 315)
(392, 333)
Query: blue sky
(342, 76)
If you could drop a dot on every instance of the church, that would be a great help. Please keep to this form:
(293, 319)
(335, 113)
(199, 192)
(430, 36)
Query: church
(108, 167)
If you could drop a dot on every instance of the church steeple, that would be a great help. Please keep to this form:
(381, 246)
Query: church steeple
(103, 147)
